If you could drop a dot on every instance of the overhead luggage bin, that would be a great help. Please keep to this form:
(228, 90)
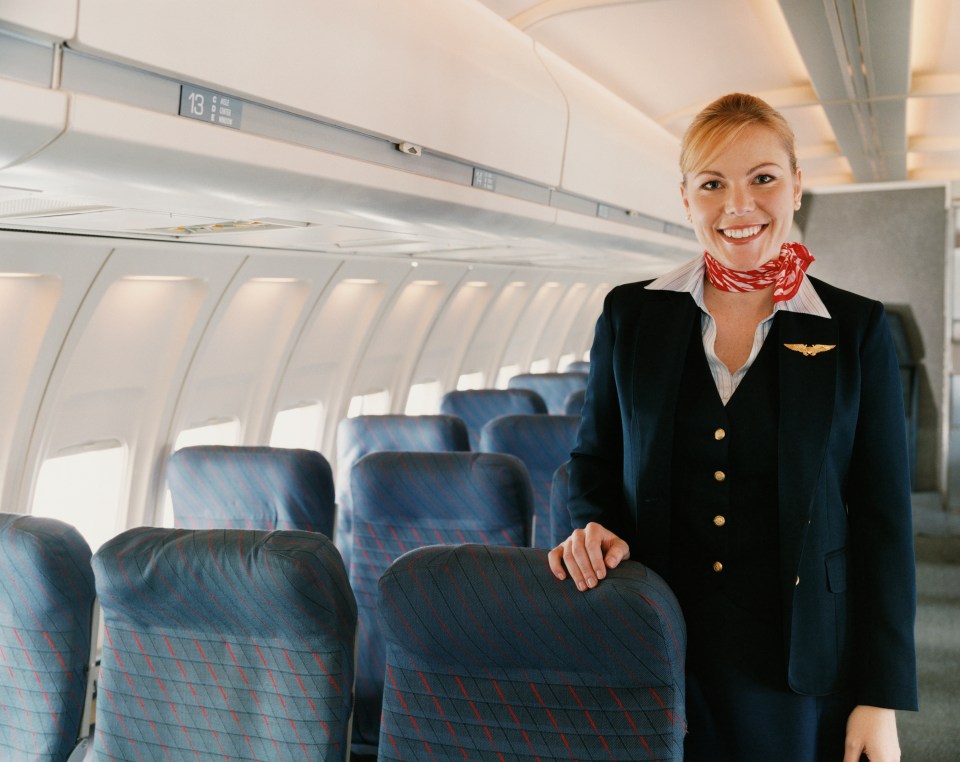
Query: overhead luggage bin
(30, 117)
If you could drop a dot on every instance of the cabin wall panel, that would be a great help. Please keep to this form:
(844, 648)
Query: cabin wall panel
(891, 245)
(121, 362)
(54, 19)
(520, 350)
(553, 341)
(446, 347)
(42, 284)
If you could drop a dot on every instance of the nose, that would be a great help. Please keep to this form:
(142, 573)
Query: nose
(739, 200)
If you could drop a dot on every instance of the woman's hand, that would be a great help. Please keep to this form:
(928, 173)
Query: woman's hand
(587, 554)
(872, 731)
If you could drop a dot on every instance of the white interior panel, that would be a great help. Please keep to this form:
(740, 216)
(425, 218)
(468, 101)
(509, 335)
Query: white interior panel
(352, 63)
(30, 117)
(446, 346)
(43, 284)
(614, 153)
(553, 341)
(55, 19)
(530, 326)
(389, 358)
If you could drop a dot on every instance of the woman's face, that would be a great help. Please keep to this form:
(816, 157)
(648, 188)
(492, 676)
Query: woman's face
(742, 202)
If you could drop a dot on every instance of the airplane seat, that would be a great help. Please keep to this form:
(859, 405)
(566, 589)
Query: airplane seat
(489, 656)
(223, 644)
(543, 443)
(577, 366)
(364, 434)
(552, 387)
(478, 406)
(266, 488)
(560, 524)
(46, 605)
(404, 500)
(573, 404)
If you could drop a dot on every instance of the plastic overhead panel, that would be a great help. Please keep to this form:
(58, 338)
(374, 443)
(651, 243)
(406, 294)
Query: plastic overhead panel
(53, 19)
(30, 117)
(449, 76)
(614, 152)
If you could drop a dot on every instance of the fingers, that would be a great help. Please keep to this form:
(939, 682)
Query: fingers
(586, 555)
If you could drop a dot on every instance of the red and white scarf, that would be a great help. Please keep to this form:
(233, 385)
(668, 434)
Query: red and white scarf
(784, 273)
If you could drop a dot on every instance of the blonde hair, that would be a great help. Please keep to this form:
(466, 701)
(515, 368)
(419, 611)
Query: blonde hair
(717, 125)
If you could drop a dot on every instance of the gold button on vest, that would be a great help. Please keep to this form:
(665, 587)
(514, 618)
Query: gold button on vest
(717, 567)
(719, 434)
(719, 520)
(719, 476)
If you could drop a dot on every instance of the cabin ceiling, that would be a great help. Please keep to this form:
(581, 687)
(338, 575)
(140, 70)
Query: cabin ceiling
(871, 87)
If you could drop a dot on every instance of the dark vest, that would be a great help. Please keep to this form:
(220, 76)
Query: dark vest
(724, 521)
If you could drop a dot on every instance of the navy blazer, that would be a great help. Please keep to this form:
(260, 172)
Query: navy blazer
(847, 575)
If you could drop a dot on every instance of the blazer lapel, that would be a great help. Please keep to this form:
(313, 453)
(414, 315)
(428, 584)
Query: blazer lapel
(659, 354)
(808, 381)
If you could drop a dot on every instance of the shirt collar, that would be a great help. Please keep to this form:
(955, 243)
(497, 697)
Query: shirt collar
(688, 278)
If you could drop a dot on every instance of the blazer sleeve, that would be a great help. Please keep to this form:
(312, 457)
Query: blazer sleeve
(596, 462)
(881, 531)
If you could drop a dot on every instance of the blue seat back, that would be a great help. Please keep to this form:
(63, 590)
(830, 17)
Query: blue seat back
(489, 656)
(223, 644)
(554, 388)
(573, 404)
(46, 599)
(560, 524)
(543, 443)
(578, 366)
(478, 406)
(404, 500)
(364, 434)
(215, 487)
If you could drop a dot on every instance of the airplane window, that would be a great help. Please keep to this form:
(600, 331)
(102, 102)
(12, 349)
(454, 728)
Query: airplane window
(222, 432)
(470, 381)
(300, 426)
(506, 373)
(424, 399)
(83, 489)
(375, 403)
(540, 366)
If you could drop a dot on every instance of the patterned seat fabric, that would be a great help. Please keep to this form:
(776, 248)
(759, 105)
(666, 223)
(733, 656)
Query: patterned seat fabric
(560, 524)
(46, 599)
(223, 644)
(554, 388)
(543, 443)
(216, 487)
(478, 406)
(364, 434)
(489, 656)
(404, 500)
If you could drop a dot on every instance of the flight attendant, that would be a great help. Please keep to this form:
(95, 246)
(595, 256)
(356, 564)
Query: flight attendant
(743, 435)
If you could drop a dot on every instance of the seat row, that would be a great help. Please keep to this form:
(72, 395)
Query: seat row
(239, 644)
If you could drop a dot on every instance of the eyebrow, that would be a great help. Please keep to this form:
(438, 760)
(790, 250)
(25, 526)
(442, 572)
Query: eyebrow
(750, 171)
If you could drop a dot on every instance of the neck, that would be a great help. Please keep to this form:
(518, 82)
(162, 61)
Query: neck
(760, 301)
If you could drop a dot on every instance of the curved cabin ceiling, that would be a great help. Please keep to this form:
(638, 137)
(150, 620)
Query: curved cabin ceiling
(871, 87)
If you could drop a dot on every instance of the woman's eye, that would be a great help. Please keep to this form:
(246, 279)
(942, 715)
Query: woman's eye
(711, 185)
(764, 179)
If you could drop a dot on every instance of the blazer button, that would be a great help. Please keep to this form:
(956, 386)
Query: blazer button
(797, 582)
(719, 521)
(717, 567)
(719, 434)
(719, 476)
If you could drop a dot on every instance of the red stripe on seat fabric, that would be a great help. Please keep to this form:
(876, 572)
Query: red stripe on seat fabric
(436, 703)
(163, 690)
(476, 713)
(516, 719)
(403, 704)
(590, 720)
(226, 701)
(196, 698)
(553, 720)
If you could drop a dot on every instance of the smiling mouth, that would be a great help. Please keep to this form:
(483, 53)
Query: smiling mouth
(739, 234)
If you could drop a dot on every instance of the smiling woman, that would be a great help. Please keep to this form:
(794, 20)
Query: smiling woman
(759, 478)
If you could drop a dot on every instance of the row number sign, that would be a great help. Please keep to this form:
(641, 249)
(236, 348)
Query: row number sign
(210, 106)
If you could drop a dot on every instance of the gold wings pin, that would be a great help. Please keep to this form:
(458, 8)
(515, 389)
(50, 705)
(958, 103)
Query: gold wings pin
(809, 350)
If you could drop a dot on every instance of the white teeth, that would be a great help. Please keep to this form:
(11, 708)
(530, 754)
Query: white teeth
(743, 232)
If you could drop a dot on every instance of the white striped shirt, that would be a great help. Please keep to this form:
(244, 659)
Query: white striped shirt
(689, 278)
